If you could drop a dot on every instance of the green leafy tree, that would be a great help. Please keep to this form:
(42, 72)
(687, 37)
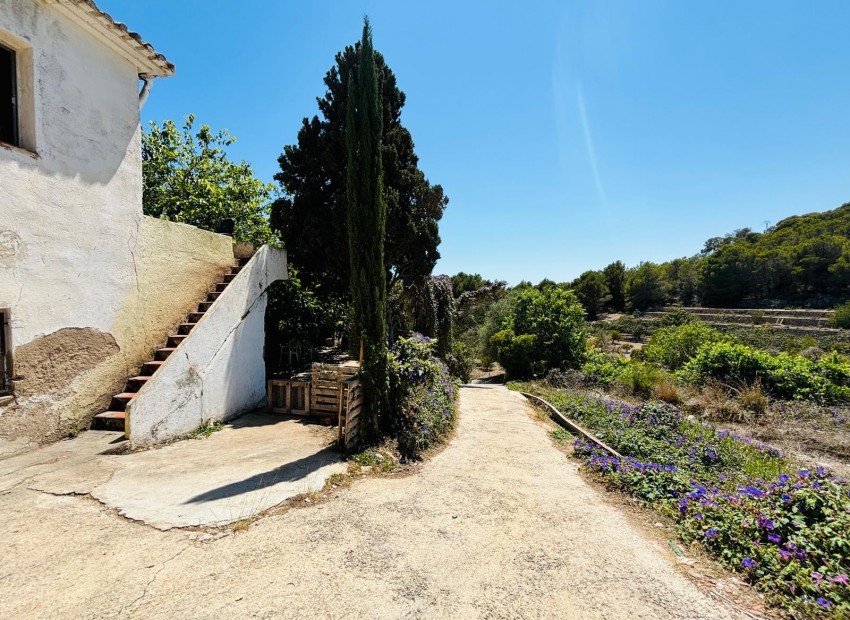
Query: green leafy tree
(645, 286)
(592, 292)
(296, 313)
(310, 217)
(467, 282)
(546, 330)
(366, 219)
(615, 281)
(188, 178)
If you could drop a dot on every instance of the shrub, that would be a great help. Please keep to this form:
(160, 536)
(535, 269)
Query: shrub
(671, 347)
(422, 395)
(602, 369)
(783, 375)
(546, 330)
(715, 403)
(556, 318)
(515, 353)
(753, 399)
(665, 390)
(841, 316)
(460, 361)
(639, 378)
(677, 317)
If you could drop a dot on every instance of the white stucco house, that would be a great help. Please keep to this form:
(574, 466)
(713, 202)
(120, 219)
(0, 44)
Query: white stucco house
(91, 290)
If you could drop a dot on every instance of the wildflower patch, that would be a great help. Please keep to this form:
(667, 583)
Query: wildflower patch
(787, 530)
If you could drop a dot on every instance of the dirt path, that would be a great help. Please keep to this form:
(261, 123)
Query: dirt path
(498, 525)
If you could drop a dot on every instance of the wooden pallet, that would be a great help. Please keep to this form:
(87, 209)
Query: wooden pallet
(289, 395)
(326, 389)
(349, 417)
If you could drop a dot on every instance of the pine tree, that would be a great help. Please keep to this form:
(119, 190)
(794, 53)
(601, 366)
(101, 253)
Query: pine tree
(366, 218)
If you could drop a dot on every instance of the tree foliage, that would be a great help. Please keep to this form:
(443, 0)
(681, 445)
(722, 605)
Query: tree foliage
(592, 292)
(366, 219)
(189, 178)
(310, 216)
(801, 261)
(645, 286)
(615, 281)
(545, 329)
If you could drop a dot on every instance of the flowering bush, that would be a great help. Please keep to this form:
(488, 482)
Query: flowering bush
(422, 394)
(790, 536)
(786, 530)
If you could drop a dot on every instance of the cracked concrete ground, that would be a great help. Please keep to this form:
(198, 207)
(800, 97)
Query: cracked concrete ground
(258, 461)
(497, 525)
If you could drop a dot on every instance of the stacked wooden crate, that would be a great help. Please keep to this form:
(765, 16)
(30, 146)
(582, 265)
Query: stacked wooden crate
(290, 395)
(326, 391)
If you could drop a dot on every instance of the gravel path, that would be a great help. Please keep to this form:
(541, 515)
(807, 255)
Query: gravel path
(498, 525)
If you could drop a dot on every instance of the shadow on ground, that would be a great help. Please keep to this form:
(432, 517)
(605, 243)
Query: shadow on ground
(288, 472)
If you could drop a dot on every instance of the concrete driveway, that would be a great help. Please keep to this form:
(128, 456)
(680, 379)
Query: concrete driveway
(258, 461)
(497, 525)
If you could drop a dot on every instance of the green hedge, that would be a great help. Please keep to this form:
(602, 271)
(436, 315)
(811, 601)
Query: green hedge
(783, 375)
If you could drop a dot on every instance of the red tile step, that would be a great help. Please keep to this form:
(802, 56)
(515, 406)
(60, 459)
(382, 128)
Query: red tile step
(184, 328)
(219, 288)
(163, 353)
(194, 317)
(176, 339)
(109, 421)
(137, 383)
(120, 401)
(229, 277)
(211, 297)
(148, 368)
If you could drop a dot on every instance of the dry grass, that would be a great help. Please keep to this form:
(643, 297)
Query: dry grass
(667, 391)
(714, 403)
(753, 399)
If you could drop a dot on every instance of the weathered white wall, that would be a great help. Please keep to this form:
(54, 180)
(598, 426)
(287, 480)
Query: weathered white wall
(71, 213)
(218, 371)
(93, 285)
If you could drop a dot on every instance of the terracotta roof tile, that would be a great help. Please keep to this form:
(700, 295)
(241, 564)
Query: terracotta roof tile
(128, 38)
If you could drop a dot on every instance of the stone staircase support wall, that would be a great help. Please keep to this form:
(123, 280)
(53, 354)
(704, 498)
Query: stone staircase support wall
(218, 371)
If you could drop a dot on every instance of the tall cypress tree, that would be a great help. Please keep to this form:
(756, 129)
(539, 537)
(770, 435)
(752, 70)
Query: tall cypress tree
(367, 216)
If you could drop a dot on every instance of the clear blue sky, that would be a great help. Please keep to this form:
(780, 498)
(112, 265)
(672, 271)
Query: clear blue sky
(567, 134)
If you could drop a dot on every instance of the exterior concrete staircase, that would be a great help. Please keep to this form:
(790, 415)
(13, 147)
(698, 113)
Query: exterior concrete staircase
(114, 418)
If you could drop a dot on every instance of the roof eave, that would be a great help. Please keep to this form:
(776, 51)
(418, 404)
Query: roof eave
(129, 45)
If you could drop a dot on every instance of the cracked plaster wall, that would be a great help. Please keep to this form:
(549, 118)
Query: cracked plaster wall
(93, 285)
(217, 372)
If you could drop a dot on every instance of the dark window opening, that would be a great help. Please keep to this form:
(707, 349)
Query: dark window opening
(5, 351)
(8, 97)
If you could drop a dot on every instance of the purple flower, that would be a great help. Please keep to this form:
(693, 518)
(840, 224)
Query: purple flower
(774, 538)
(823, 602)
(711, 533)
(751, 491)
(748, 562)
(842, 579)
